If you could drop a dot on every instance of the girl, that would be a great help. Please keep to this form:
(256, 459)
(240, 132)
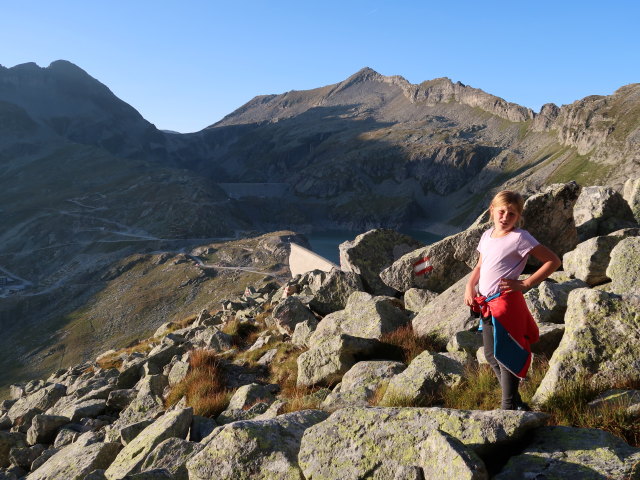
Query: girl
(508, 328)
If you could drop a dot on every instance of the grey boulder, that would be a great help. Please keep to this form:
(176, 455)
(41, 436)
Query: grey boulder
(600, 211)
(373, 251)
(580, 453)
(600, 341)
(255, 449)
(624, 267)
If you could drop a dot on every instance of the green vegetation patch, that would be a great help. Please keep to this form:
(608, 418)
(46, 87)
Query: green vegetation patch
(581, 169)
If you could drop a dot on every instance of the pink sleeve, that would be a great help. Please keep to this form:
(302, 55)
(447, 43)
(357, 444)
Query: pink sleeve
(526, 243)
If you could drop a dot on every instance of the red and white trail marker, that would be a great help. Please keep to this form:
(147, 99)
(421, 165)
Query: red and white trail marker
(422, 266)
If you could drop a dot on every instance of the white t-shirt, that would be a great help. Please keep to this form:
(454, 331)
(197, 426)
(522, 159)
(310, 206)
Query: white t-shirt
(503, 257)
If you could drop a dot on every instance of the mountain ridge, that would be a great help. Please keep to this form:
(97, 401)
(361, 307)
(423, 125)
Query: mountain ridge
(86, 181)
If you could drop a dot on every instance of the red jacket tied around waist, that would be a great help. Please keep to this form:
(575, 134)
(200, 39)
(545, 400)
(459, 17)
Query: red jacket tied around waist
(514, 329)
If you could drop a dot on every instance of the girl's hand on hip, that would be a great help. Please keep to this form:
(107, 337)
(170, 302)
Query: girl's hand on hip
(509, 285)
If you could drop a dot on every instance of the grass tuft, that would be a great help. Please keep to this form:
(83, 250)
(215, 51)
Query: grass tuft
(570, 407)
(410, 344)
(203, 387)
(479, 390)
(244, 333)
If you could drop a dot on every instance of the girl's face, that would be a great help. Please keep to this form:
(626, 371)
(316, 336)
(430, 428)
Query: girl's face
(504, 217)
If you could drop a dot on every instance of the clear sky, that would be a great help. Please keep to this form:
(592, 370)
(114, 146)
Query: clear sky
(184, 65)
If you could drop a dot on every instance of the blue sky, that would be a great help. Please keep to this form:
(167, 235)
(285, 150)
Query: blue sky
(184, 65)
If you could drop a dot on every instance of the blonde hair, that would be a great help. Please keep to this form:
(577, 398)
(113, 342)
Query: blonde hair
(508, 197)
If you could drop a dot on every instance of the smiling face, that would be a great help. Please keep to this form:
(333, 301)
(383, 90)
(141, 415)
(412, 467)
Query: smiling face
(504, 217)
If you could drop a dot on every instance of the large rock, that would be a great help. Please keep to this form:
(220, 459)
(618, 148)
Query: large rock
(624, 267)
(302, 333)
(353, 442)
(601, 342)
(548, 302)
(23, 457)
(424, 376)
(212, 338)
(372, 252)
(631, 194)
(415, 299)
(288, 313)
(361, 382)
(172, 455)
(454, 257)
(446, 314)
(577, 453)
(175, 423)
(331, 358)
(9, 440)
(76, 409)
(550, 337)
(600, 211)
(336, 287)
(590, 259)
(465, 341)
(28, 407)
(548, 216)
(365, 316)
(44, 428)
(254, 450)
(162, 354)
(76, 461)
(444, 456)
(451, 259)
(248, 395)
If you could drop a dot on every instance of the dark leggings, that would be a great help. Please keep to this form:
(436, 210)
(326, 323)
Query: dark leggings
(508, 381)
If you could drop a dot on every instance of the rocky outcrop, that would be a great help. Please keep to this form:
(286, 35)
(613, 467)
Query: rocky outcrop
(38, 402)
(601, 342)
(76, 461)
(415, 299)
(373, 251)
(248, 450)
(624, 267)
(446, 315)
(365, 316)
(369, 437)
(548, 216)
(360, 383)
(288, 313)
(631, 194)
(334, 291)
(565, 452)
(327, 361)
(129, 460)
(449, 259)
(590, 259)
(424, 376)
(172, 455)
(548, 301)
(600, 211)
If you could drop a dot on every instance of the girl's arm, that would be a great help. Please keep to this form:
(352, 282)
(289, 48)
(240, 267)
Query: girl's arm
(470, 291)
(550, 263)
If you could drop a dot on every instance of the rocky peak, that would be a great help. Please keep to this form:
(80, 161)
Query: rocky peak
(443, 90)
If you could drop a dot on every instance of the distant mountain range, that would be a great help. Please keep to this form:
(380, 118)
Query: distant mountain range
(85, 180)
